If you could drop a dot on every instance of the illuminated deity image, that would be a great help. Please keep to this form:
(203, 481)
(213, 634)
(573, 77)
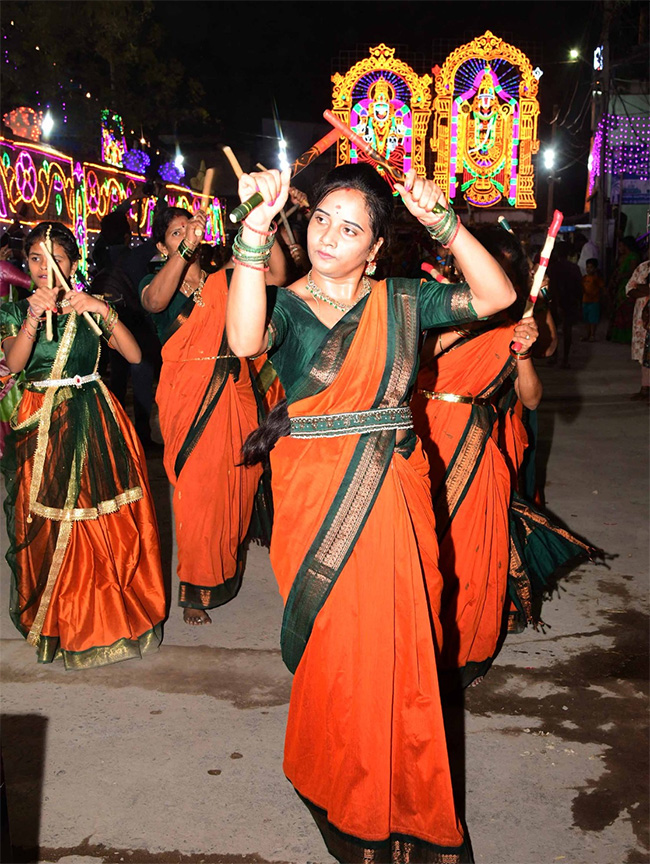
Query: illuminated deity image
(485, 124)
(385, 123)
(484, 127)
(389, 105)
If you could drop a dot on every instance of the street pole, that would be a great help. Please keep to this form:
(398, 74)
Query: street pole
(601, 212)
(551, 179)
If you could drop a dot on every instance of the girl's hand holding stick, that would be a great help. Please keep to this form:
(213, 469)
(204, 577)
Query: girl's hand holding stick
(64, 282)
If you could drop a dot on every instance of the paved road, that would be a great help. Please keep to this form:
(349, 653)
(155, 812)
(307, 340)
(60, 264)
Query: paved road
(178, 758)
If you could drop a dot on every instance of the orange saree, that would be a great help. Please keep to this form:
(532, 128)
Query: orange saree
(83, 540)
(470, 486)
(207, 408)
(355, 554)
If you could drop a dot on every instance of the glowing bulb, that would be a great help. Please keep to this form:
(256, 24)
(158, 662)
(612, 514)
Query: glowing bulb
(574, 53)
(549, 158)
(142, 141)
(178, 161)
(87, 95)
(47, 124)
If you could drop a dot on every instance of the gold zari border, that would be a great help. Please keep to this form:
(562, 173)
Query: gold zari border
(78, 514)
(34, 635)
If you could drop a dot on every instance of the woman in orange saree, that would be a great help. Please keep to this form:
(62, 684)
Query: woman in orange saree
(207, 407)
(87, 582)
(353, 547)
(475, 448)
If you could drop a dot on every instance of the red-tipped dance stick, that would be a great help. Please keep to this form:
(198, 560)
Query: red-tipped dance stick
(242, 210)
(49, 330)
(431, 270)
(55, 267)
(361, 144)
(541, 270)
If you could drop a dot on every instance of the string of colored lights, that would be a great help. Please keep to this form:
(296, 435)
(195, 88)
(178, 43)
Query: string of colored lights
(39, 183)
(626, 144)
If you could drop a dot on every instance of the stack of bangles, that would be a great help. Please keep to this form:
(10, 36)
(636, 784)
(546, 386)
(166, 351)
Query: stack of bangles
(253, 256)
(108, 322)
(37, 321)
(186, 251)
(446, 229)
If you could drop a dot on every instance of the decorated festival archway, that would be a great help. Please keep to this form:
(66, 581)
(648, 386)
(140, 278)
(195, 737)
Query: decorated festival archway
(388, 104)
(40, 183)
(485, 124)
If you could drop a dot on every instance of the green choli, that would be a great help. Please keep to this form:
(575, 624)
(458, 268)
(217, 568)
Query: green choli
(163, 320)
(295, 333)
(80, 361)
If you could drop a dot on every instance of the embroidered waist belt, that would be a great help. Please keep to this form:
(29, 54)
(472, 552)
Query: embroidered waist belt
(75, 381)
(452, 397)
(351, 423)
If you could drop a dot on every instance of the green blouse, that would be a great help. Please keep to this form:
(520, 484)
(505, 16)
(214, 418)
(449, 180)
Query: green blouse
(295, 333)
(83, 352)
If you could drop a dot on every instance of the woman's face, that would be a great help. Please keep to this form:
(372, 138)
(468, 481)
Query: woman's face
(339, 237)
(38, 264)
(173, 235)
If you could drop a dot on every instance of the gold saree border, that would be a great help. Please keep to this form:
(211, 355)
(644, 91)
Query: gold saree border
(34, 635)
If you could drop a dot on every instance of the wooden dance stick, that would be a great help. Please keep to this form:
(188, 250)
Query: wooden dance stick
(94, 326)
(397, 175)
(241, 212)
(503, 222)
(234, 162)
(431, 270)
(207, 188)
(205, 197)
(49, 330)
(283, 216)
(538, 278)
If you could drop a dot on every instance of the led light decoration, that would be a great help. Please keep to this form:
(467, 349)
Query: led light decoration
(39, 184)
(622, 144)
(485, 124)
(387, 103)
(136, 160)
(24, 122)
(171, 172)
(113, 141)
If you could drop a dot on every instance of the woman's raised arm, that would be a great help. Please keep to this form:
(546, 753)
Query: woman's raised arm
(491, 289)
(246, 310)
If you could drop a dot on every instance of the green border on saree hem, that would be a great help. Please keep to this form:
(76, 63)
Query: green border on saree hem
(103, 655)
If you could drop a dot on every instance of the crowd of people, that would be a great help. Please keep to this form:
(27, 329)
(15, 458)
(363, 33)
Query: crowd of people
(372, 425)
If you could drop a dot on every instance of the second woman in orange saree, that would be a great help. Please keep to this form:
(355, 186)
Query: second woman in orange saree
(207, 408)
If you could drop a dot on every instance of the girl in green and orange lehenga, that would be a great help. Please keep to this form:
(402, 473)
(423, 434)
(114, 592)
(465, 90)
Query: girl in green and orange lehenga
(353, 547)
(208, 404)
(83, 540)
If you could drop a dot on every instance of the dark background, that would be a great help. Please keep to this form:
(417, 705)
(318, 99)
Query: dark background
(196, 75)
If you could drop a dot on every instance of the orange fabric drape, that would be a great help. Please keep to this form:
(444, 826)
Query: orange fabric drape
(474, 547)
(365, 738)
(213, 497)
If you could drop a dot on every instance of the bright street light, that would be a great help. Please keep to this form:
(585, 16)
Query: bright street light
(178, 161)
(549, 158)
(47, 124)
(574, 54)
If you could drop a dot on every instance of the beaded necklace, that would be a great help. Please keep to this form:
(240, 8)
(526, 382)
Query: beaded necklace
(315, 291)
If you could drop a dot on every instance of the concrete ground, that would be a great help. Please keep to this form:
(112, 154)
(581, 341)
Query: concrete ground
(178, 758)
